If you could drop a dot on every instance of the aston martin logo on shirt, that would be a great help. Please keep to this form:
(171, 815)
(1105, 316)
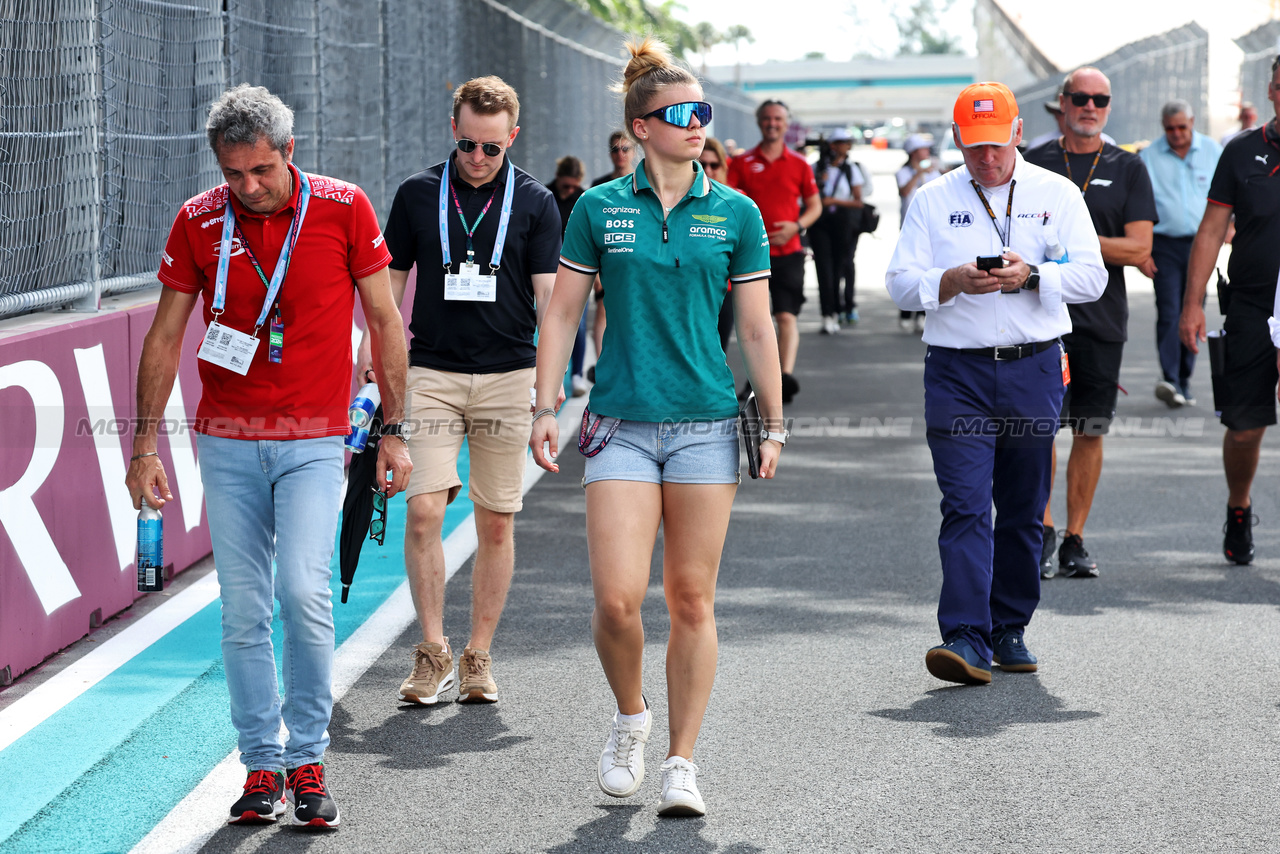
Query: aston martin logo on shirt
(709, 219)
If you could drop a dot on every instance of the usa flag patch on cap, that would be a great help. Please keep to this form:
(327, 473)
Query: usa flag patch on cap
(987, 105)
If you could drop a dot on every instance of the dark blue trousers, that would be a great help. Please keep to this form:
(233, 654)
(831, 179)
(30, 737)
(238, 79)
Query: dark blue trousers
(990, 427)
(1171, 256)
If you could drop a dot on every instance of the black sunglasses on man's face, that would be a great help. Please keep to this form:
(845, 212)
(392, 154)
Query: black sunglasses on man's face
(1080, 99)
(491, 149)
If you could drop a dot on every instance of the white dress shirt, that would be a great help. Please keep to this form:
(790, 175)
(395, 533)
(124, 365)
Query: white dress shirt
(947, 226)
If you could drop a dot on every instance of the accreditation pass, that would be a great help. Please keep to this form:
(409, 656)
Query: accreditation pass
(468, 285)
(228, 348)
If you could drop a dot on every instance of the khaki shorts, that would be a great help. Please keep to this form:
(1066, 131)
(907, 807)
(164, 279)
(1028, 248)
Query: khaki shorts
(492, 411)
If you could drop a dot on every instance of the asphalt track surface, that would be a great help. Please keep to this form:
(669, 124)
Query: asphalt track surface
(1151, 725)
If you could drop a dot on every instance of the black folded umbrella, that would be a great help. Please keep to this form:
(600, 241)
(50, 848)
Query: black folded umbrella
(357, 507)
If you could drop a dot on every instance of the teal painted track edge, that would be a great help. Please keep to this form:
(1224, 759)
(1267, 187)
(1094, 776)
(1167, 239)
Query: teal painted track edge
(128, 749)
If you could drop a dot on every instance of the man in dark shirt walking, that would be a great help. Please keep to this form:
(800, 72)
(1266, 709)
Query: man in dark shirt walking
(1117, 192)
(485, 276)
(1245, 185)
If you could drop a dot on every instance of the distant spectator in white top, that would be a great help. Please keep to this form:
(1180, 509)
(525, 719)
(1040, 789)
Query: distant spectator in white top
(1248, 121)
(919, 169)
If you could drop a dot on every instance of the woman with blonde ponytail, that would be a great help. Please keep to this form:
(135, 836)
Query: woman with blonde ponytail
(660, 433)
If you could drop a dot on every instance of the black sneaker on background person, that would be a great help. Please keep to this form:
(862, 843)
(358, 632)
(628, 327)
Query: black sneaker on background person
(1237, 542)
(790, 385)
(312, 806)
(262, 801)
(1048, 553)
(1073, 560)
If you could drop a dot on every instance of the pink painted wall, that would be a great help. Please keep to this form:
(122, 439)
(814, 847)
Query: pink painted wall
(71, 530)
(62, 519)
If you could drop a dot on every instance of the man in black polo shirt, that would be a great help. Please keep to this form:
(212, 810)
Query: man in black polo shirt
(1244, 184)
(471, 367)
(1117, 192)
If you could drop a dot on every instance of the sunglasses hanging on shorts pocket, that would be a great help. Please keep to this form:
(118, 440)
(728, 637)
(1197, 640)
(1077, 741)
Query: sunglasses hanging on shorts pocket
(587, 435)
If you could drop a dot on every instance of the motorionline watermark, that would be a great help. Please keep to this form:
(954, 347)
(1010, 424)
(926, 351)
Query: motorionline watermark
(1159, 427)
(281, 426)
(800, 427)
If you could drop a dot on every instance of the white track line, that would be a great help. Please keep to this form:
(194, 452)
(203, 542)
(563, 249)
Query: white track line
(32, 709)
(202, 813)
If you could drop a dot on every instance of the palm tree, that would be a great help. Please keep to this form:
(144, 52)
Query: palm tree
(708, 37)
(736, 35)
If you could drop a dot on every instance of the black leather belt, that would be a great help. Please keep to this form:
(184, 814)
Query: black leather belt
(1010, 352)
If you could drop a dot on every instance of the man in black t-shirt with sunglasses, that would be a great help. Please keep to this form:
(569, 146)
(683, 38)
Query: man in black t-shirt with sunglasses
(484, 278)
(1245, 185)
(1117, 191)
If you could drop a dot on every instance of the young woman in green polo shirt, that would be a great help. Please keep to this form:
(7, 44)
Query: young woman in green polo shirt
(660, 433)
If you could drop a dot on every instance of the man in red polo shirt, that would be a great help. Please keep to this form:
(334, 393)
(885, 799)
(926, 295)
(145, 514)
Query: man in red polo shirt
(279, 257)
(778, 179)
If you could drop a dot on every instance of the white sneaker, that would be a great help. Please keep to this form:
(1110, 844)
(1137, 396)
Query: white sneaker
(1168, 392)
(579, 386)
(908, 324)
(680, 794)
(919, 323)
(621, 769)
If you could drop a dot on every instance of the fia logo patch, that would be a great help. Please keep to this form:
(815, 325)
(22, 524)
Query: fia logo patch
(961, 219)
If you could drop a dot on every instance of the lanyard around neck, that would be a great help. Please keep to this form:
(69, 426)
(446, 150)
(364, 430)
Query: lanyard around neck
(1088, 177)
(229, 229)
(1008, 214)
(504, 220)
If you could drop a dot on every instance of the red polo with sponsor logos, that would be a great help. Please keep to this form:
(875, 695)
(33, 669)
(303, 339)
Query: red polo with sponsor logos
(305, 395)
(776, 186)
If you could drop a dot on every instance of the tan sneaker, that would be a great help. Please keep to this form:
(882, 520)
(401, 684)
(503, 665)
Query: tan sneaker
(475, 677)
(432, 674)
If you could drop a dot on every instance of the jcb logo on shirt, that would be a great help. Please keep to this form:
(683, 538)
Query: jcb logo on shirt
(619, 223)
(618, 237)
(961, 219)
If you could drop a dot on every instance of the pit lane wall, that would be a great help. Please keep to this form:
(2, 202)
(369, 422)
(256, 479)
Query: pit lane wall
(67, 527)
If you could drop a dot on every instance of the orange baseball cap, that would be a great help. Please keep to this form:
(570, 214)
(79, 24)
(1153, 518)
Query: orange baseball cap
(985, 114)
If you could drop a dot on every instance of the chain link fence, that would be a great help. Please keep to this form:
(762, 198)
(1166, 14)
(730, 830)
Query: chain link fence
(1144, 76)
(1260, 47)
(103, 103)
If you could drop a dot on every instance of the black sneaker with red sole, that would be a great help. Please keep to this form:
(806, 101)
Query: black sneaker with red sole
(313, 808)
(263, 799)
(1237, 542)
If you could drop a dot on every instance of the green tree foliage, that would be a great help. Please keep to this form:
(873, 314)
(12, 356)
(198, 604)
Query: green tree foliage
(708, 37)
(639, 17)
(920, 32)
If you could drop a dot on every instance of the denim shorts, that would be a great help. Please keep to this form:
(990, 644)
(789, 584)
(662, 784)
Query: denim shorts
(668, 452)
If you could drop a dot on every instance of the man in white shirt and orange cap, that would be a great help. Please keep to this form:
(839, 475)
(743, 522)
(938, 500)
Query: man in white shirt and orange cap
(977, 254)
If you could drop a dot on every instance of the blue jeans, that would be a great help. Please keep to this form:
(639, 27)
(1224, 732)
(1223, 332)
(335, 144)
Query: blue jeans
(275, 500)
(990, 427)
(1171, 256)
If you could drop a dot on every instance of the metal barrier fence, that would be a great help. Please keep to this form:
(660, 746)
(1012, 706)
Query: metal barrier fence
(103, 102)
(1144, 76)
(1260, 48)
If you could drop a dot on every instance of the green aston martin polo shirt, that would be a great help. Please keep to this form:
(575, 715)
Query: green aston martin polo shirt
(664, 283)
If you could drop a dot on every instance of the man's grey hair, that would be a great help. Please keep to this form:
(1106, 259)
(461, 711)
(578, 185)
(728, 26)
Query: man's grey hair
(244, 114)
(1172, 108)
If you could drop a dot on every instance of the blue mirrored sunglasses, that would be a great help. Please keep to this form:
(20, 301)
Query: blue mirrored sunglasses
(681, 115)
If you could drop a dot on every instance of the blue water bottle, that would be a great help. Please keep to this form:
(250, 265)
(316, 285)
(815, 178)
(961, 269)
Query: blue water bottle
(361, 416)
(150, 549)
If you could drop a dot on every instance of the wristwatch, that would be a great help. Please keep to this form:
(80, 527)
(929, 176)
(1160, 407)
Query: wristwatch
(1033, 280)
(397, 430)
(779, 437)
